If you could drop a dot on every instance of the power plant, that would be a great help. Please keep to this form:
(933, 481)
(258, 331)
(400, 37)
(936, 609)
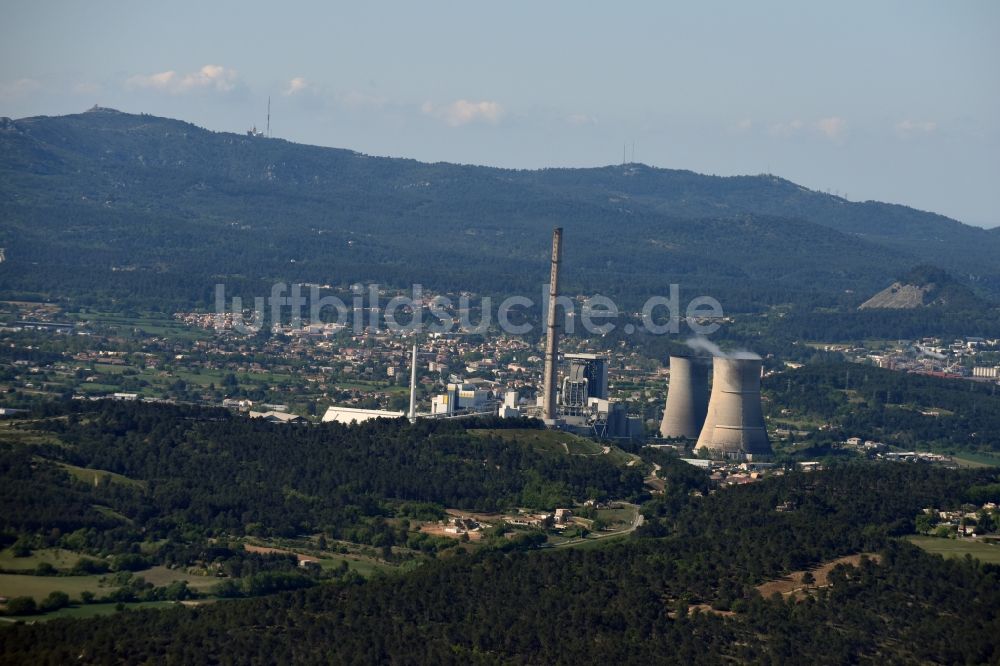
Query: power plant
(734, 425)
(687, 398)
(728, 424)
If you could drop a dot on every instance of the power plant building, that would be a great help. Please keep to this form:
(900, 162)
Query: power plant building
(460, 397)
(586, 378)
(734, 425)
(593, 368)
(349, 415)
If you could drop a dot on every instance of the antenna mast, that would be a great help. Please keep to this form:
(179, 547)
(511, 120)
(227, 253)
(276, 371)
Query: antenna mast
(268, 116)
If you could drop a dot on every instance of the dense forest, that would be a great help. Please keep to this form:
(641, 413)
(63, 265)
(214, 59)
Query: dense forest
(194, 475)
(683, 590)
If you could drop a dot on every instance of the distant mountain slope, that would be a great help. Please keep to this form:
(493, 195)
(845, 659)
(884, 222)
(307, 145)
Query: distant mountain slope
(698, 195)
(924, 286)
(120, 205)
(898, 296)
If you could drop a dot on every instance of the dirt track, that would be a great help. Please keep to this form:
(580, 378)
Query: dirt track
(792, 585)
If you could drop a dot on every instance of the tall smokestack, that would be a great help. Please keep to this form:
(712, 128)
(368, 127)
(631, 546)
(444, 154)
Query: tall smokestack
(552, 336)
(687, 398)
(413, 385)
(734, 426)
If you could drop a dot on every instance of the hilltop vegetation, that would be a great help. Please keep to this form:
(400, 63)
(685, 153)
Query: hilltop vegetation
(208, 473)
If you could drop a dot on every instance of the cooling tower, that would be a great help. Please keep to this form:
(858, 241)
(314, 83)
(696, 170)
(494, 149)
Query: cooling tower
(687, 398)
(734, 426)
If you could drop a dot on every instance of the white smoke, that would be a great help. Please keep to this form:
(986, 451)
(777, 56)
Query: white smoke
(703, 344)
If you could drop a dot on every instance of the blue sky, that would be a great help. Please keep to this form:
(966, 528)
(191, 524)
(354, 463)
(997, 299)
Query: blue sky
(895, 101)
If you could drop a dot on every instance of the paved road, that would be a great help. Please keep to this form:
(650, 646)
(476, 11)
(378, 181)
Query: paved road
(654, 479)
(637, 520)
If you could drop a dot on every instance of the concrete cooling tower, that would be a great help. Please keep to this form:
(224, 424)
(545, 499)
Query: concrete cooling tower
(687, 398)
(734, 426)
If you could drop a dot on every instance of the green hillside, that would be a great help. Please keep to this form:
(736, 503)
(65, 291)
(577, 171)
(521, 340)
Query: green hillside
(106, 206)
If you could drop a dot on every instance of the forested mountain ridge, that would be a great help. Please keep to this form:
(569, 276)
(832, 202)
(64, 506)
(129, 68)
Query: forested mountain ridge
(117, 205)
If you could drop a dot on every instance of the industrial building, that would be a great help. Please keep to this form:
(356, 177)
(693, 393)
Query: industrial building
(357, 415)
(509, 408)
(586, 378)
(460, 397)
(577, 409)
(277, 417)
(583, 403)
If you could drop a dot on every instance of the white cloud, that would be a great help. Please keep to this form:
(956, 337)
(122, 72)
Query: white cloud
(210, 77)
(462, 112)
(296, 85)
(742, 125)
(581, 119)
(18, 88)
(786, 129)
(909, 127)
(832, 127)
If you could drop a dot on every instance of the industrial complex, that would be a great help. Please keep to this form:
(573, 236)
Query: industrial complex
(727, 424)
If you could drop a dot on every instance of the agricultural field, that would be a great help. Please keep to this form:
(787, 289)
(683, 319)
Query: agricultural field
(161, 576)
(57, 557)
(88, 475)
(958, 548)
(149, 323)
(360, 563)
(81, 611)
(970, 459)
(39, 587)
(13, 432)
